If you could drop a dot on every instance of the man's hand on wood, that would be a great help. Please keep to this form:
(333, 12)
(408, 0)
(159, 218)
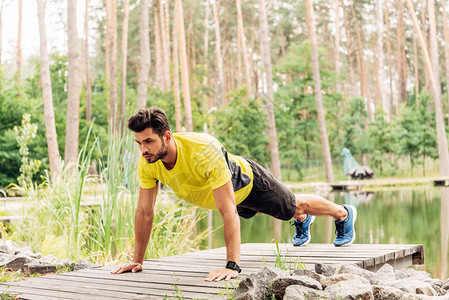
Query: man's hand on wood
(132, 266)
(220, 274)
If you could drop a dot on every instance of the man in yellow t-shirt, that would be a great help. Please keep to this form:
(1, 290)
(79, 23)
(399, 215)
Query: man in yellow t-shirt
(200, 170)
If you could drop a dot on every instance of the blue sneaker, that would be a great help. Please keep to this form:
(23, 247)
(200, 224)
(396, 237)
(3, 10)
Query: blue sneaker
(345, 228)
(302, 236)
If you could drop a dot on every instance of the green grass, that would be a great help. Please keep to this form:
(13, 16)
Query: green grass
(284, 261)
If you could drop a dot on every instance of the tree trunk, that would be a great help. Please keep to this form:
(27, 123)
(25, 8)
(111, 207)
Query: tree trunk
(443, 152)
(239, 58)
(160, 78)
(380, 55)
(390, 61)
(184, 65)
(352, 77)
(113, 65)
(361, 61)
(416, 71)
(178, 118)
(206, 48)
(337, 44)
(74, 84)
(318, 97)
(221, 98)
(165, 46)
(1, 33)
(446, 46)
(378, 102)
(124, 63)
(19, 40)
(49, 114)
(401, 60)
(254, 69)
(107, 51)
(88, 84)
(424, 32)
(244, 48)
(145, 60)
(266, 60)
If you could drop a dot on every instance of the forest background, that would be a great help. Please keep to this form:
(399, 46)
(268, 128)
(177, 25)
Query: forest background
(190, 57)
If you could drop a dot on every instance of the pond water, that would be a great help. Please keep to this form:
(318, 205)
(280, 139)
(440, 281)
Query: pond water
(402, 216)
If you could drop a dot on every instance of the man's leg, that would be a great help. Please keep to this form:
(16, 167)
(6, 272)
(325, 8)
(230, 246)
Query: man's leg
(308, 206)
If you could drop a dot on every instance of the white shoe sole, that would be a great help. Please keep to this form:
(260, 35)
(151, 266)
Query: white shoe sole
(310, 236)
(354, 217)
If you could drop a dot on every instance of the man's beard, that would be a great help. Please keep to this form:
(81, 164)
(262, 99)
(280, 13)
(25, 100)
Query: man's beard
(159, 155)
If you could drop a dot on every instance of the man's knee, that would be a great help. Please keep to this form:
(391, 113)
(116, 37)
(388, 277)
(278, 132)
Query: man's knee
(301, 204)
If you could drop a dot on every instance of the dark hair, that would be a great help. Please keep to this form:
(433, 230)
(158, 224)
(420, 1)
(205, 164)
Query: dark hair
(153, 118)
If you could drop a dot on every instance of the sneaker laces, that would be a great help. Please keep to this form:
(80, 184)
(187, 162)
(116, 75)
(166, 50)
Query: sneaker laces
(340, 228)
(300, 231)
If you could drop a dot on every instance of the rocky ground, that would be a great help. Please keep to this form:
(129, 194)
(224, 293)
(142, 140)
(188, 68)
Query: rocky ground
(22, 259)
(341, 282)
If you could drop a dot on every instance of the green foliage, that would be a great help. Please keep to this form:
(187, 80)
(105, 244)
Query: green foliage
(417, 134)
(241, 127)
(24, 134)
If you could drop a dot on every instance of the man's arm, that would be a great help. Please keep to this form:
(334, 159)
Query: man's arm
(143, 224)
(225, 201)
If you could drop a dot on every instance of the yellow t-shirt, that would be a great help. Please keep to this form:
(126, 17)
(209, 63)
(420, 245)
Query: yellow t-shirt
(202, 165)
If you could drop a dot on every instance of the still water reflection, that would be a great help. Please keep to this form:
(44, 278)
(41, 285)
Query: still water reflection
(405, 216)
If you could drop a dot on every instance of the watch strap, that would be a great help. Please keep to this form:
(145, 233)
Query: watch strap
(233, 266)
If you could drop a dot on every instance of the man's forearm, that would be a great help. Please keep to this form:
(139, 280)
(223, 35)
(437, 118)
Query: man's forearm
(143, 224)
(231, 224)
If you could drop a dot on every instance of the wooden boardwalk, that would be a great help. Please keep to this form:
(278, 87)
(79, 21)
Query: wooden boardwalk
(182, 276)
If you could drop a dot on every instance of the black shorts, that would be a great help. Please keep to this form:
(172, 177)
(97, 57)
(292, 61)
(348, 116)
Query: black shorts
(268, 196)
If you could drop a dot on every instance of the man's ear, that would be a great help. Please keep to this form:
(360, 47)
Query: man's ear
(167, 136)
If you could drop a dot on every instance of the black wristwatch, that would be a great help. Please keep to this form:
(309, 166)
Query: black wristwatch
(233, 266)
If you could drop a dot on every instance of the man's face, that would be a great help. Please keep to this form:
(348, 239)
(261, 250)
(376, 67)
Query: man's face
(151, 145)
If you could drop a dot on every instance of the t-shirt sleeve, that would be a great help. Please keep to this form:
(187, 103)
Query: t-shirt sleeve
(146, 180)
(214, 166)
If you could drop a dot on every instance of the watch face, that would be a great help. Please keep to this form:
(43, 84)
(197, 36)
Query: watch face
(233, 266)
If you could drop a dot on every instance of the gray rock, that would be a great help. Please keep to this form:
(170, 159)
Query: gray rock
(372, 277)
(308, 273)
(414, 286)
(300, 292)
(17, 263)
(51, 259)
(405, 273)
(350, 289)
(386, 273)
(26, 249)
(38, 268)
(281, 283)
(5, 258)
(82, 265)
(326, 269)
(445, 285)
(328, 281)
(255, 286)
(4, 248)
(387, 293)
(434, 282)
(13, 246)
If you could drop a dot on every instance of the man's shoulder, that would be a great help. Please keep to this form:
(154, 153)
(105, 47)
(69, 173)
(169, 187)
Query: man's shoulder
(195, 138)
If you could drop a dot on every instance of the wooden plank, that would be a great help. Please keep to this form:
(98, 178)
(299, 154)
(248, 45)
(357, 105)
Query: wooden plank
(49, 294)
(112, 289)
(146, 276)
(54, 286)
